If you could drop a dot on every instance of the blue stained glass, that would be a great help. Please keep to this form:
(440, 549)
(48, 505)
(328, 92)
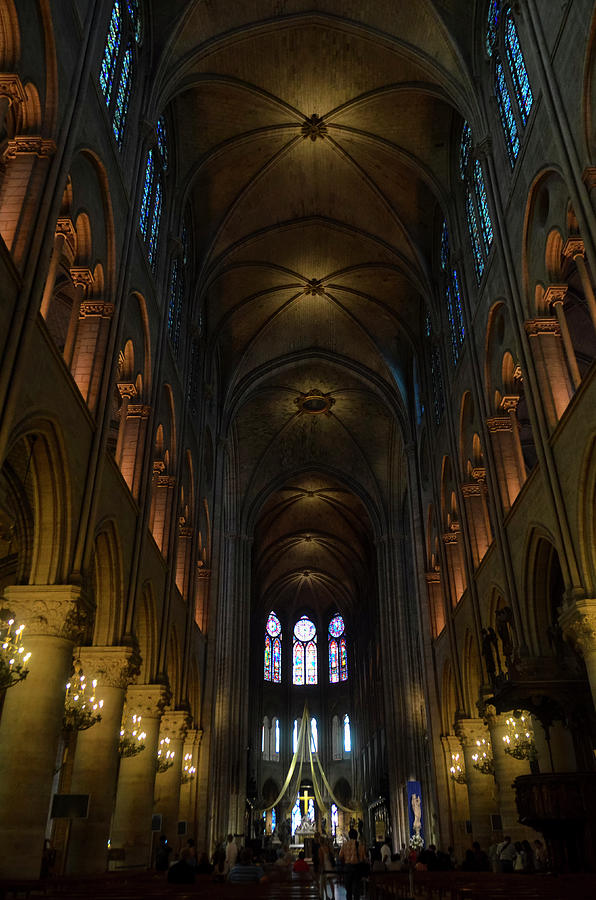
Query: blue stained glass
(452, 329)
(459, 315)
(267, 660)
(336, 626)
(155, 224)
(147, 193)
(277, 664)
(311, 663)
(486, 224)
(296, 815)
(427, 325)
(492, 25)
(173, 305)
(474, 236)
(110, 53)
(334, 818)
(273, 625)
(162, 143)
(333, 662)
(273, 820)
(123, 96)
(517, 67)
(193, 381)
(135, 19)
(508, 122)
(465, 148)
(437, 381)
(444, 247)
(343, 660)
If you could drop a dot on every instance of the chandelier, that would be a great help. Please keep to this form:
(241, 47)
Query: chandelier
(188, 770)
(165, 756)
(13, 656)
(483, 757)
(81, 708)
(519, 740)
(456, 769)
(132, 738)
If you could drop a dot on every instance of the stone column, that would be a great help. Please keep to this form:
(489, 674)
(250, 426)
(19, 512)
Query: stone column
(578, 622)
(131, 826)
(555, 296)
(174, 725)
(481, 788)
(188, 788)
(202, 582)
(544, 336)
(32, 720)
(458, 798)
(507, 768)
(96, 760)
(574, 247)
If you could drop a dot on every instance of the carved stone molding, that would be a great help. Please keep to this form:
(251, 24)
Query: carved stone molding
(127, 390)
(159, 466)
(147, 700)
(473, 489)
(578, 621)
(574, 247)
(450, 537)
(25, 143)
(314, 287)
(510, 403)
(203, 571)
(543, 325)
(138, 410)
(11, 86)
(479, 474)
(96, 308)
(56, 610)
(589, 177)
(82, 276)
(555, 293)
(498, 423)
(433, 577)
(166, 481)
(175, 724)
(112, 666)
(469, 731)
(314, 127)
(65, 228)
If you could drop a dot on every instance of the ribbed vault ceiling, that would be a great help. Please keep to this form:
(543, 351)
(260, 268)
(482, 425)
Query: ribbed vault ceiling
(312, 143)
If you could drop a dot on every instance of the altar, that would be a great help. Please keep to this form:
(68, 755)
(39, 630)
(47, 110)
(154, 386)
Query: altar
(304, 834)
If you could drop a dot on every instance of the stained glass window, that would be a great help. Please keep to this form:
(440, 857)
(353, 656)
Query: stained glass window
(427, 324)
(486, 224)
(338, 668)
(295, 735)
(277, 738)
(272, 660)
(305, 652)
(162, 143)
(452, 296)
(193, 381)
(122, 97)
(343, 660)
(174, 305)
(109, 62)
(155, 221)
(465, 148)
(508, 123)
(314, 736)
(296, 815)
(135, 19)
(147, 195)
(333, 662)
(334, 818)
(492, 25)
(273, 820)
(517, 67)
(347, 735)
(474, 236)
(444, 247)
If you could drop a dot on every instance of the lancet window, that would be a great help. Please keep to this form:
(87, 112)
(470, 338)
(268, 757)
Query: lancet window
(480, 226)
(511, 83)
(338, 651)
(452, 295)
(272, 658)
(177, 291)
(305, 652)
(152, 199)
(117, 69)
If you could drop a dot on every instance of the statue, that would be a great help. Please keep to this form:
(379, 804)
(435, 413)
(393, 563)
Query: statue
(504, 618)
(417, 810)
(490, 651)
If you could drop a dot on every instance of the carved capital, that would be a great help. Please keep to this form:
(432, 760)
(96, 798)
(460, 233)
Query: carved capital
(56, 610)
(202, 571)
(25, 143)
(543, 325)
(185, 532)
(112, 666)
(555, 293)
(65, 228)
(479, 474)
(510, 403)
(138, 411)
(147, 700)
(498, 423)
(574, 247)
(578, 622)
(82, 276)
(484, 148)
(175, 724)
(96, 308)
(589, 177)
(469, 731)
(11, 87)
(473, 489)
(450, 537)
(127, 390)
(159, 466)
(166, 481)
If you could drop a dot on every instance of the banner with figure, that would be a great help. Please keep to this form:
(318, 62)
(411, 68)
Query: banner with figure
(415, 814)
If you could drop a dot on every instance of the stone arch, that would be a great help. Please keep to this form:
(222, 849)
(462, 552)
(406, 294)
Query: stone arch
(164, 461)
(145, 631)
(472, 673)
(186, 530)
(544, 588)
(10, 36)
(587, 515)
(40, 442)
(108, 585)
(589, 93)
(194, 689)
(174, 665)
(448, 699)
(452, 535)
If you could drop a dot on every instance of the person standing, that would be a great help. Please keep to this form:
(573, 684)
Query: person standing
(353, 855)
(231, 854)
(385, 852)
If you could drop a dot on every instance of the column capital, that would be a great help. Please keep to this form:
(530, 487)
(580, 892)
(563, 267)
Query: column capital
(473, 488)
(175, 724)
(148, 700)
(574, 247)
(542, 325)
(578, 622)
(11, 87)
(49, 609)
(555, 293)
(469, 731)
(112, 666)
(98, 308)
(499, 423)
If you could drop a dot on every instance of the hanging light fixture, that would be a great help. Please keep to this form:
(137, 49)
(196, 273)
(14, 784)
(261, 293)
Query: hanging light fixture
(81, 706)
(132, 737)
(456, 769)
(13, 656)
(519, 740)
(188, 770)
(165, 756)
(483, 757)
